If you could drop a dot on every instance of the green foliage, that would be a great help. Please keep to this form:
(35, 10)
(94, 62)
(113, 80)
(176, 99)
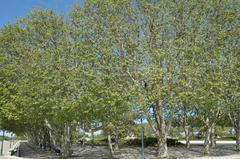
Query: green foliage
(175, 60)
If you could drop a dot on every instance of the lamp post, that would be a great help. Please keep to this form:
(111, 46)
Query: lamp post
(92, 135)
(11, 141)
(142, 135)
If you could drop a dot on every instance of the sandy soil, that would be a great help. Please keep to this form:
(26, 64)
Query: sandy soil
(222, 151)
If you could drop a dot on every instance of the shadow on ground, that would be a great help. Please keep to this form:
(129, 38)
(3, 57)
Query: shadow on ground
(102, 152)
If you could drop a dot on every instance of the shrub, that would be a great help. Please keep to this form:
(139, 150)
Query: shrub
(150, 141)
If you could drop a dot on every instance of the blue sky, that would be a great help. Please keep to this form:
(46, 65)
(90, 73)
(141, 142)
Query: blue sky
(6, 133)
(10, 10)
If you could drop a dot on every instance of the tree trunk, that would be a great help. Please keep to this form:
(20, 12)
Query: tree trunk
(162, 131)
(162, 140)
(92, 135)
(187, 134)
(44, 140)
(237, 134)
(52, 136)
(36, 138)
(207, 138)
(235, 119)
(237, 131)
(48, 140)
(162, 146)
(67, 141)
(116, 146)
(212, 137)
(110, 145)
(52, 140)
(207, 141)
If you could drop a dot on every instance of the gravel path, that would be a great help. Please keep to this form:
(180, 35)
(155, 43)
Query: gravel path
(219, 157)
(224, 150)
(29, 151)
(201, 142)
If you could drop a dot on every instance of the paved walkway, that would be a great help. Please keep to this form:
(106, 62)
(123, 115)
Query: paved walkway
(6, 146)
(10, 157)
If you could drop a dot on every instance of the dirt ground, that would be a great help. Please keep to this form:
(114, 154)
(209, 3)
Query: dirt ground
(222, 151)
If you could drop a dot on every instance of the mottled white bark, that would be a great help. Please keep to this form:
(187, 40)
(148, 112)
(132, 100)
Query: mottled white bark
(162, 146)
(238, 140)
(207, 142)
(110, 145)
(187, 136)
(212, 137)
(51, 134)
(67, 141)
(116, 146)
(162, 131)
(235, 119)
